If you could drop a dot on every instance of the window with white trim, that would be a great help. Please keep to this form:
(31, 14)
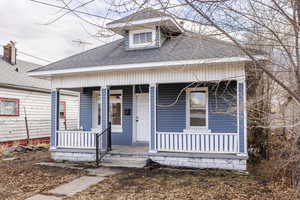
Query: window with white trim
(197, 108)
(116, 109)
(9, 107)
(141, 38)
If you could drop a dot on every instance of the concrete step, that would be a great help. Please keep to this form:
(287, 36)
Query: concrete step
(124, 161)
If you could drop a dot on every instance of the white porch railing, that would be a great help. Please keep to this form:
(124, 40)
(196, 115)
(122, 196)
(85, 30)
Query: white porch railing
(197, 142)
(76, 139)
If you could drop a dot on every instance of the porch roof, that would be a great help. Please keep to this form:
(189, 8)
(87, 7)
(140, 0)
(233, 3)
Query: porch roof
(185, 47)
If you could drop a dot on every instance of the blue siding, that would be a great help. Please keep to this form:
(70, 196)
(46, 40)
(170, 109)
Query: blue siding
(221, 110)
(54, 117)
(241, 116)
(171, 119)
(86, 109)
(125, 137)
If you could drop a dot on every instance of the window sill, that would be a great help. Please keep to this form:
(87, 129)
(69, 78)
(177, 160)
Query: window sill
(197, 130)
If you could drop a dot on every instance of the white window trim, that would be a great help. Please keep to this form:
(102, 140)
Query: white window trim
(117, 128)
(132, 32)
(196, 128)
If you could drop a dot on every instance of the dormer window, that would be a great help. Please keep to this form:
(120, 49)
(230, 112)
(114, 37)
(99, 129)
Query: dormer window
(141, 38)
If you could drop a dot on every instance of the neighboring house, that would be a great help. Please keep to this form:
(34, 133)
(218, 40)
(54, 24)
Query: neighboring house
(25, 98)
(182, 95)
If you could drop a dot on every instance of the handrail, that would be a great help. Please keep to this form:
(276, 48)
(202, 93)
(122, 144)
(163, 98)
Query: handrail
(107, 147)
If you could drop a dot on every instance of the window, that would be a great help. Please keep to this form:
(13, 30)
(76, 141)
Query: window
(197, 108)
(62, 110)
(9, 107)
(141, 38)
(115, 110)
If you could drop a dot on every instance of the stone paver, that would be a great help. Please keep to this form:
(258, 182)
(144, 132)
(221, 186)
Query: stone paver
(44, 197)
(76, 185)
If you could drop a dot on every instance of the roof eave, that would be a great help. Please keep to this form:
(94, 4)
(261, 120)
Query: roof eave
(149, 65)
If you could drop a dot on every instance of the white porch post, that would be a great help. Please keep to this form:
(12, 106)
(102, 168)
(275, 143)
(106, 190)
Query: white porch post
(104, 95)
(152, 116)
(54, 117)
(242, 116)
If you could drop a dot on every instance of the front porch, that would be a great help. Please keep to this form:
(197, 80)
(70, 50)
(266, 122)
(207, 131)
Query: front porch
(160, 117)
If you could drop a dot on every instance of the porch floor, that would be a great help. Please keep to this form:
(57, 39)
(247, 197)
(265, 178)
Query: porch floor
(129, 150)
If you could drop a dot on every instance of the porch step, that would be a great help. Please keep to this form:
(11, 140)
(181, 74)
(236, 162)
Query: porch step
(129, 161)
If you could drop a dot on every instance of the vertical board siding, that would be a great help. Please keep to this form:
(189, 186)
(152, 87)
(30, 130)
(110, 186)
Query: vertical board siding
(221, 109)
(86, 109)
(241, 116)
(125, 137)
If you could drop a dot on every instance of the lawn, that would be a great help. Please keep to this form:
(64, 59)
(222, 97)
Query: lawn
(164, 183)
(21, 178)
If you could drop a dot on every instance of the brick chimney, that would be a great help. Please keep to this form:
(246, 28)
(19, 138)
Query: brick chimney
(10, 53)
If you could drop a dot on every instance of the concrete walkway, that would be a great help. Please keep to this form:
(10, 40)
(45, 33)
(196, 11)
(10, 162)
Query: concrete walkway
(68, 189)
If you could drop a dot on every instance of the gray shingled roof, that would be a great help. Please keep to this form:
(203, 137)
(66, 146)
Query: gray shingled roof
(9, 75)
(140, 15)
(183, 47)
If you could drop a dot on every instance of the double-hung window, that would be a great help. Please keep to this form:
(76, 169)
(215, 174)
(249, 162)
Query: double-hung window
(141, 38)
(9, 107)
(197, 108)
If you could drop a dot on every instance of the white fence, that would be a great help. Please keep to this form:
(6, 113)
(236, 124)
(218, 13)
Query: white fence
(197, 142)
(76, 139)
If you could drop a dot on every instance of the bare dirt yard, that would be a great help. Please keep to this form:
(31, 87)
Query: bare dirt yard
(164, 183)
(21, 178)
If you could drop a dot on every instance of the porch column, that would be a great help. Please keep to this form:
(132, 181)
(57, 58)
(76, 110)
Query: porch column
(242, 116)
(104, 95)
(152, 109)
(54, 117)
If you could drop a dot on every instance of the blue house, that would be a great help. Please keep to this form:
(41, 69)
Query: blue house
(172, 96)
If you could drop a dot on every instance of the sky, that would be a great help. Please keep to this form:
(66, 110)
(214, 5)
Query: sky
(22, 21)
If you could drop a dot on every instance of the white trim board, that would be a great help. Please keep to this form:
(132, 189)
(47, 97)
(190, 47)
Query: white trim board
(148, 65)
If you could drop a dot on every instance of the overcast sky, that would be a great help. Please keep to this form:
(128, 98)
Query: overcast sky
(21, 21)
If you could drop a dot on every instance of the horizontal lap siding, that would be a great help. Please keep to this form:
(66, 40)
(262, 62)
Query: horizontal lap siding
(38, 110)
(222, 108)
(170, 119)
(222, 117)
(86, 109)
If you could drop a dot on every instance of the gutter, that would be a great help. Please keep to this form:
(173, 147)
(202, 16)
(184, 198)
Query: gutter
(149, 65)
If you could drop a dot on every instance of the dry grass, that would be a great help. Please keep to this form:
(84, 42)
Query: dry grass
(21, 178)
(179, 184)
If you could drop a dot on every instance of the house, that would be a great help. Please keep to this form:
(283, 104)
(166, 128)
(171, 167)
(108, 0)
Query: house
(25, 102)
(181, 96)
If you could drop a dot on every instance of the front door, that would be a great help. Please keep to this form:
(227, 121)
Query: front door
(142, 117)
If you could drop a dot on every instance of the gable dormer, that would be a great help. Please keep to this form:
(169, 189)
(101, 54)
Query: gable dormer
(145, 29)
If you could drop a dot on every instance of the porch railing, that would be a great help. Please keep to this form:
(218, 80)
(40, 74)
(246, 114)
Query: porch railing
(197, 142)
(76, 139)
